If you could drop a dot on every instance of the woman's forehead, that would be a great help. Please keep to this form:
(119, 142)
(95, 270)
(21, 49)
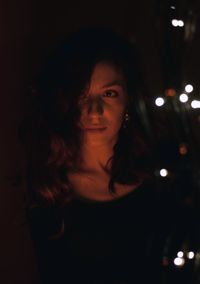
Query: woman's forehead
(106, 74)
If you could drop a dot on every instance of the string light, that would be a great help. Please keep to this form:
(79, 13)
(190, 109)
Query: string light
(183, 149)
(183, 98)
(190, 255)
(180, 254)
(159, 101)
(189, 88)
(195, 104)
(179, 261)
(163, 172)
(177, 23)
(180, 23)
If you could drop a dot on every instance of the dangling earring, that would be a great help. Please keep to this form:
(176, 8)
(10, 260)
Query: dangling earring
(126, 119)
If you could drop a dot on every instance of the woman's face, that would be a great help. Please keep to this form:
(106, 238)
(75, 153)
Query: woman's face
(103, 105)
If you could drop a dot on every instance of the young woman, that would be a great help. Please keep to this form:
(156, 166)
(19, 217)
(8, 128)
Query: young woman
(93, 210)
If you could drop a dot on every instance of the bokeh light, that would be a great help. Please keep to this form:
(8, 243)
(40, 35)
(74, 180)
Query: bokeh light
(180, 254)
(189, 88)
(180, 23)
(159, 101)
(190, 255)
(163, 172)
(179, 261)
(183, 98)
(175, 23)
(195, 104)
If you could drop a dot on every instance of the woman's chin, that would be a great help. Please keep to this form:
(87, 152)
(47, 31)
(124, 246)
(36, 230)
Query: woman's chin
(99, 139)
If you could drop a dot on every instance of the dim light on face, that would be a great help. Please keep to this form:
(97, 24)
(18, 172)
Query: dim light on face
(103, 105)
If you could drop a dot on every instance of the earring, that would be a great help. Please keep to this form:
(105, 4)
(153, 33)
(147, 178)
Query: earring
(126, 119)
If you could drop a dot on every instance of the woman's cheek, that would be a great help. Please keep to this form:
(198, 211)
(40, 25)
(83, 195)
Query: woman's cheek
(118, 116)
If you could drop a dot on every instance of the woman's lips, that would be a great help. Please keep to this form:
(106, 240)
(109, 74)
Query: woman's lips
(95, 129)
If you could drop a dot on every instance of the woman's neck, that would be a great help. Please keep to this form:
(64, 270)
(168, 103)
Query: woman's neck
(95, 158)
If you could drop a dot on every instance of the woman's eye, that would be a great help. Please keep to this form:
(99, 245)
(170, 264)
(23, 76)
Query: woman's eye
(110, 94)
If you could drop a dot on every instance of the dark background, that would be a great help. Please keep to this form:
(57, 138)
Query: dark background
(170, 58)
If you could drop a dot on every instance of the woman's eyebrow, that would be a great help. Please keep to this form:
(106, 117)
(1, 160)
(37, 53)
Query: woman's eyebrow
(115, 83)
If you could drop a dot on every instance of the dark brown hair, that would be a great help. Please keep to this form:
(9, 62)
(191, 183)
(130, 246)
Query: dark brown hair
(50, 134)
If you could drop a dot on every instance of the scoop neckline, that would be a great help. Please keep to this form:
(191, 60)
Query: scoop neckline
(87, 201)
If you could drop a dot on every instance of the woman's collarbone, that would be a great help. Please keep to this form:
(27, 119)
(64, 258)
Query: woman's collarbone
(96, 186)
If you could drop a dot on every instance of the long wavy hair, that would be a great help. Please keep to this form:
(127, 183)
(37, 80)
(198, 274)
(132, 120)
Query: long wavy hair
(50, 134)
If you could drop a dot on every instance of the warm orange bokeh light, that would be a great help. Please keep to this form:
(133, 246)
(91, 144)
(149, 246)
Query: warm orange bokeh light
(170, 92)
(183, 149)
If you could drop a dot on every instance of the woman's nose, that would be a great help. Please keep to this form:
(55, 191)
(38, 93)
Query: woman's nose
(95, 106)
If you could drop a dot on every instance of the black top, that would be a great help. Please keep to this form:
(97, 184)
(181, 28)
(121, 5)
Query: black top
(115, 242)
